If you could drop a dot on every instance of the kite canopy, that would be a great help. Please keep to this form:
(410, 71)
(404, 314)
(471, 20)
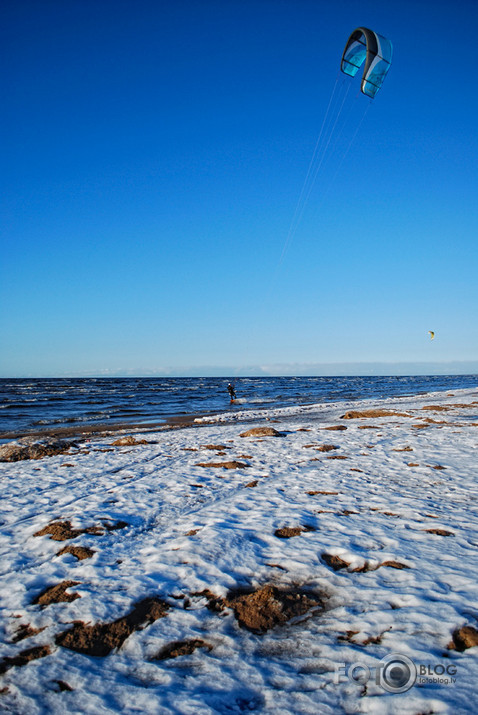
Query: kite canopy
(376, 50)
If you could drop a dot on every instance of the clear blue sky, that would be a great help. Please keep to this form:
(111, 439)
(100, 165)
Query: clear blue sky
(153, 156)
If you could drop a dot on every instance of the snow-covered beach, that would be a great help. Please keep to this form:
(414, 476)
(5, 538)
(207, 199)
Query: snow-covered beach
(210, 570)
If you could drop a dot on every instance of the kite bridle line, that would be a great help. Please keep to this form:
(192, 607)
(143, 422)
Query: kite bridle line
(315, 161)
(344, 155)
(328, 137)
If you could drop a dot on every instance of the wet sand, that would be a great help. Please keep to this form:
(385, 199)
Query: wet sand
(102, 429)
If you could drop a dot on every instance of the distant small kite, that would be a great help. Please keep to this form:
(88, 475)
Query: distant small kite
(432, 334)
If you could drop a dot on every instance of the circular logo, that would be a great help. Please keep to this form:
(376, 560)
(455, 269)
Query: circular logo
(397, 673)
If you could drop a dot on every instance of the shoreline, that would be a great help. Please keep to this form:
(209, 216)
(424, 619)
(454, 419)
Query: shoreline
(103, 429)
(42, 413)
(85, 430)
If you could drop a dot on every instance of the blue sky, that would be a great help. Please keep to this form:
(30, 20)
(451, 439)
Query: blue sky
(152, 161)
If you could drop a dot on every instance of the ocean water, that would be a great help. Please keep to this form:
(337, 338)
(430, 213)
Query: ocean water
(30, 405)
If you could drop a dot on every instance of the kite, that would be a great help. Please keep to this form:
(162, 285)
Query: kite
(432, 334)
(376, 50)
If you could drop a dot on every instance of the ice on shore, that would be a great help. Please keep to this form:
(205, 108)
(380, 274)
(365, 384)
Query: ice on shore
(360, 543)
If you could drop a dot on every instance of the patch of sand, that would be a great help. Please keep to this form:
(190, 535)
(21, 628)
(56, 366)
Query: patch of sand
(80, 552)
(62, 531)
(178, 648)
(57, 594)
(24, 657)
(100, 639)
(261, 432)
(264, 608)
(223, 465)
(361, 414)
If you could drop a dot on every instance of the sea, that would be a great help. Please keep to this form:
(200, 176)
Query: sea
(52, 404)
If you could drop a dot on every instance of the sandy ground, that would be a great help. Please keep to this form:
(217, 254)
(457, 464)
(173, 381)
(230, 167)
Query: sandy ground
(314, 560)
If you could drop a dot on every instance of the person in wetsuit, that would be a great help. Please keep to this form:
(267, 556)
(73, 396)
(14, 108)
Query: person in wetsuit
(231, 391)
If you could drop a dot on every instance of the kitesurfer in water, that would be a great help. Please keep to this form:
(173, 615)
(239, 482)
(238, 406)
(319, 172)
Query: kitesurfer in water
(231, 391)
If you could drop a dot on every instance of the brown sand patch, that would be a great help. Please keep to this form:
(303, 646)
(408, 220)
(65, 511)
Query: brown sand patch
(14, 452)
(63, 686)
(81, 552)
(365, 568)
(337, 563)
(403, 449)
(198, 486)
(269, 606)
(354, 469)
(334, 428)
(57, 594)
(39, 651)
(413, 464)
(361, 414)
(437, 408)
(439, 532)
(178, 648)
(313, 493)
(436, 466)
(369, 427)
(253, 483)
(336, 456)
(26, 631)
(62, 531)
(464, 638)
(395, 565)
(374, 639)
(303, 429)
(100, 639)
(327, 447)
(287, 532)
(347, 636)
(192, 532)
(67, 464)
(215, 447)
(129, 441)
(223, 465)
(261, 432)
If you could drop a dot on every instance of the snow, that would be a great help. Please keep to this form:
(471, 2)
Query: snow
(192, 528)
